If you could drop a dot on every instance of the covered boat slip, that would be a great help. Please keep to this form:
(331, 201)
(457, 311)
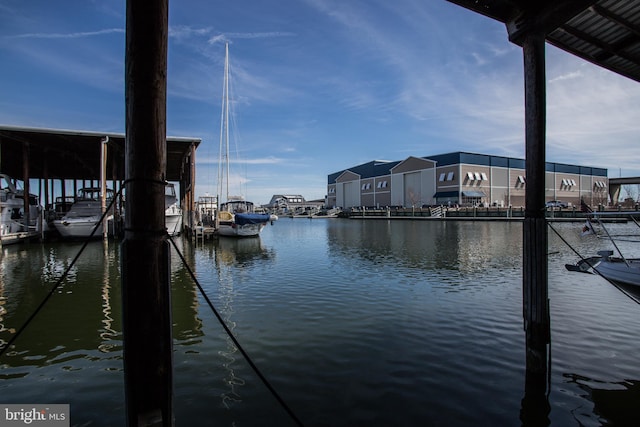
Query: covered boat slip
(604, 32)
(49, 155)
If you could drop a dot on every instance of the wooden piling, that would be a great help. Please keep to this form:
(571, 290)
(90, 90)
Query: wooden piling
(27, 189)
(145, 249)
(535, 274)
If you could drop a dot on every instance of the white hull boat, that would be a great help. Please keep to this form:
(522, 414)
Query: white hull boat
(79, 227)
(616, 269)
(84, 215)
(236, 216)
(237, 219)
(172, 212)
(12, 224)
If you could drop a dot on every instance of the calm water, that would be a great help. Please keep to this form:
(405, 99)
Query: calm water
(355, 323)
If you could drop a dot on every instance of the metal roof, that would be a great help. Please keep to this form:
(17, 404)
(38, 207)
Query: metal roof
(604, 32)
(75, 154)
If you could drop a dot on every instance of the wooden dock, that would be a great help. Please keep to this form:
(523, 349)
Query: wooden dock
(23, 236)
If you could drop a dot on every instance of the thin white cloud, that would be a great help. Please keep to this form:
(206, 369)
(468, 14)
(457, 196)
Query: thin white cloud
(224, 37)
(269, 160)
(75, 35)
(263, 161)
(184, 32)
(568, 76)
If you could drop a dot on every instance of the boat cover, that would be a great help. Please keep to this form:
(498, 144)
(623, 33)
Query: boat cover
(251, 218)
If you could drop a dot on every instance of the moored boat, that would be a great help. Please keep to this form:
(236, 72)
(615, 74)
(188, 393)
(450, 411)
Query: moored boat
(616, 269)
(235, 217)
(173, 211)
(12, 210)
(84, 215)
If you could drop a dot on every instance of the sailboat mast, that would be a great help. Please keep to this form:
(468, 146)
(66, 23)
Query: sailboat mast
(226, 119)
(223, 155)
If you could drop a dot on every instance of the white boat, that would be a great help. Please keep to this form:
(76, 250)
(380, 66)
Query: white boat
(12, 224)
(173, 211)
(235, 217)
(616, 269)
(206, 208)
(84, 215)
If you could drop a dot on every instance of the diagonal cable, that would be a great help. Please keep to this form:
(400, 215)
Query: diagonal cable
(235, 341)
(59, 282)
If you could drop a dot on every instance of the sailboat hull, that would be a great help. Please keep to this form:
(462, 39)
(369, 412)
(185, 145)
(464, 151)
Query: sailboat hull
(231, 229)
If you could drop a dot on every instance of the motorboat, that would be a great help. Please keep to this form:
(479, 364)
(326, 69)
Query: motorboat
(613, 268)
(616, 269)
(173, 211)
(84, 217)
(12, 223)
(206, 208)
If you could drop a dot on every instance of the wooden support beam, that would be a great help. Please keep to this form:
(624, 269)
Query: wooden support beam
(103, 184)
(535, 274)
(27, 189)
(146, 306)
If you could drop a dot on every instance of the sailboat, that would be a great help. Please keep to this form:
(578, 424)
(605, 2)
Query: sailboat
(236, 216)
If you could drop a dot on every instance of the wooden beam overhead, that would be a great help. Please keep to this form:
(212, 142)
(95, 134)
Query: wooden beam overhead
(603, 32)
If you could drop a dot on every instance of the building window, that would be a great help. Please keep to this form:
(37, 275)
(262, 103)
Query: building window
(521, 179)
(450, 176)
(470, 176)
(442, 176)
(478, 177)
(382, 184)
(484, 176)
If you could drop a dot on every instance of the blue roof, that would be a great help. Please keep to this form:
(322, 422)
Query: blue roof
(379, 168)
(367, 170)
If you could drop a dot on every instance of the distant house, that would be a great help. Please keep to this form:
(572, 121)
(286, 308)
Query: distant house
(293, 204)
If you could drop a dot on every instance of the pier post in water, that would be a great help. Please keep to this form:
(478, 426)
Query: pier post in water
(146, 306)
(535, 273)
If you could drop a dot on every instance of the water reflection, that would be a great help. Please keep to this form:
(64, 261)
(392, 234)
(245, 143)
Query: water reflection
(456, 251)
(230, 255)
(535, 407)
(111, 338)
(66, 326)
(187, 324)
(615, 403)
(356, 323)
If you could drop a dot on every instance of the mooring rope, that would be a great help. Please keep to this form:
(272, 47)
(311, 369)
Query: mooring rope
(58, 283)
(586, 260)
(235, 341)
(257, 371)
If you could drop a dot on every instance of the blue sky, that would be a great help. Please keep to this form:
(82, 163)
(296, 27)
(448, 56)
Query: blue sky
(319, 85)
